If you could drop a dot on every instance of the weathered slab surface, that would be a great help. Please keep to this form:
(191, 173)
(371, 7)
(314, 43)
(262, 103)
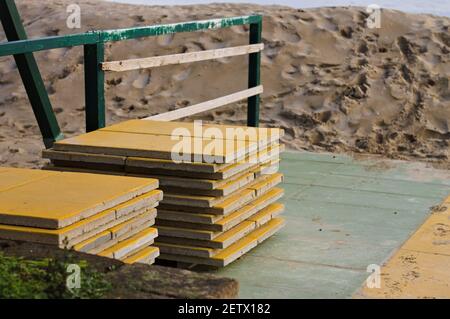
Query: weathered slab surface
(420, 268)
(47, 199)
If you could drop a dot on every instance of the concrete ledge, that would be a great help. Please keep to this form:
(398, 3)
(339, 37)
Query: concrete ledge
(138, 280)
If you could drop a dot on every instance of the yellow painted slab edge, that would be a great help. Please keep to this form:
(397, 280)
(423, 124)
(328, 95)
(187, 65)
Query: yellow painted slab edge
(123, 248)
(235, 251)
(125, 223)
(114, 241)
(65, 235)
(143, 256)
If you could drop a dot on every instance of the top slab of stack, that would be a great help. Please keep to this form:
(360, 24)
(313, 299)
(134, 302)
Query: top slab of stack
(52, 200)
(263, 136)
(152, 139)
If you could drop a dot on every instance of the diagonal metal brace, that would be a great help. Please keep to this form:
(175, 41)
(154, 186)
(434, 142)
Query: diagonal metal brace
(30, 74)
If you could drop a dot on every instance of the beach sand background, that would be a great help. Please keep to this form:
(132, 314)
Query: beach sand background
(332, 83)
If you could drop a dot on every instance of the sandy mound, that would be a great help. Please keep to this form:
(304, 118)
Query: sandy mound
(330, 81)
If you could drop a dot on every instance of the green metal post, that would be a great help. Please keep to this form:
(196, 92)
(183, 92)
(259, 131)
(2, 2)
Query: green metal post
(254, 75)
(31, 77)
(94, 79)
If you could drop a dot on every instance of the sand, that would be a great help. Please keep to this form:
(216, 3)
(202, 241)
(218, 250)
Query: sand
(332, 83)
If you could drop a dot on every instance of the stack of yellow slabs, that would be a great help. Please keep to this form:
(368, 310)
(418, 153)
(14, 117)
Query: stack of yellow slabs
(99, 214)
(220, 182)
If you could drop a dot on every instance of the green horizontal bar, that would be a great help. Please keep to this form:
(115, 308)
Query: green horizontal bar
(33, 45)
(132, 33)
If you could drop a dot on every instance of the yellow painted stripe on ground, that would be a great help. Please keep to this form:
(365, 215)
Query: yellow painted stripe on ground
(420, 268)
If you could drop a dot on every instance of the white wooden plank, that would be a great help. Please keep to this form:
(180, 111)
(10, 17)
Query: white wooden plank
(206, 106)
(151, 62)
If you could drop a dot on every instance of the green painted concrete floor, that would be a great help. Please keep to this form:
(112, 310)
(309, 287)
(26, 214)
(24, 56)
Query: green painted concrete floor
(342, 215)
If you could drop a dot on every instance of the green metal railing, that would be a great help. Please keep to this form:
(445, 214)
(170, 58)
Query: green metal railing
(22, 49)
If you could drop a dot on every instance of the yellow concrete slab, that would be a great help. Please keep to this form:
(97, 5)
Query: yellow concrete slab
(258, 187)
(125, 227)
(249, 210)
(129, 246)
(216, 223)
(146, 165)
(62, 198)
(268, 182)
(93, 242)
(202, 170)
(420, 268)
(266, 214)
(13, 177)
(84, 157)
(97, 163)
(270, 197)
(168, 231)
(227, 207)
(268, 229)
(89, 167)
(121, 229)
(73, 234)
(59, 166)
(233, 252)
(216, 239)
(239, 231)
(188, 217)
(268, 168)
(224, 240)
(412, 274)
(59, 237)
(147, 201)
(146, 255)
(171, 183)
(114, 241)
(155, 146)
(184, 250)
(197, 170)
(233, 132)
(206, 222)
(214, 189)
(433, 236)
(202, 186)
(184, 236)
(209, 203)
